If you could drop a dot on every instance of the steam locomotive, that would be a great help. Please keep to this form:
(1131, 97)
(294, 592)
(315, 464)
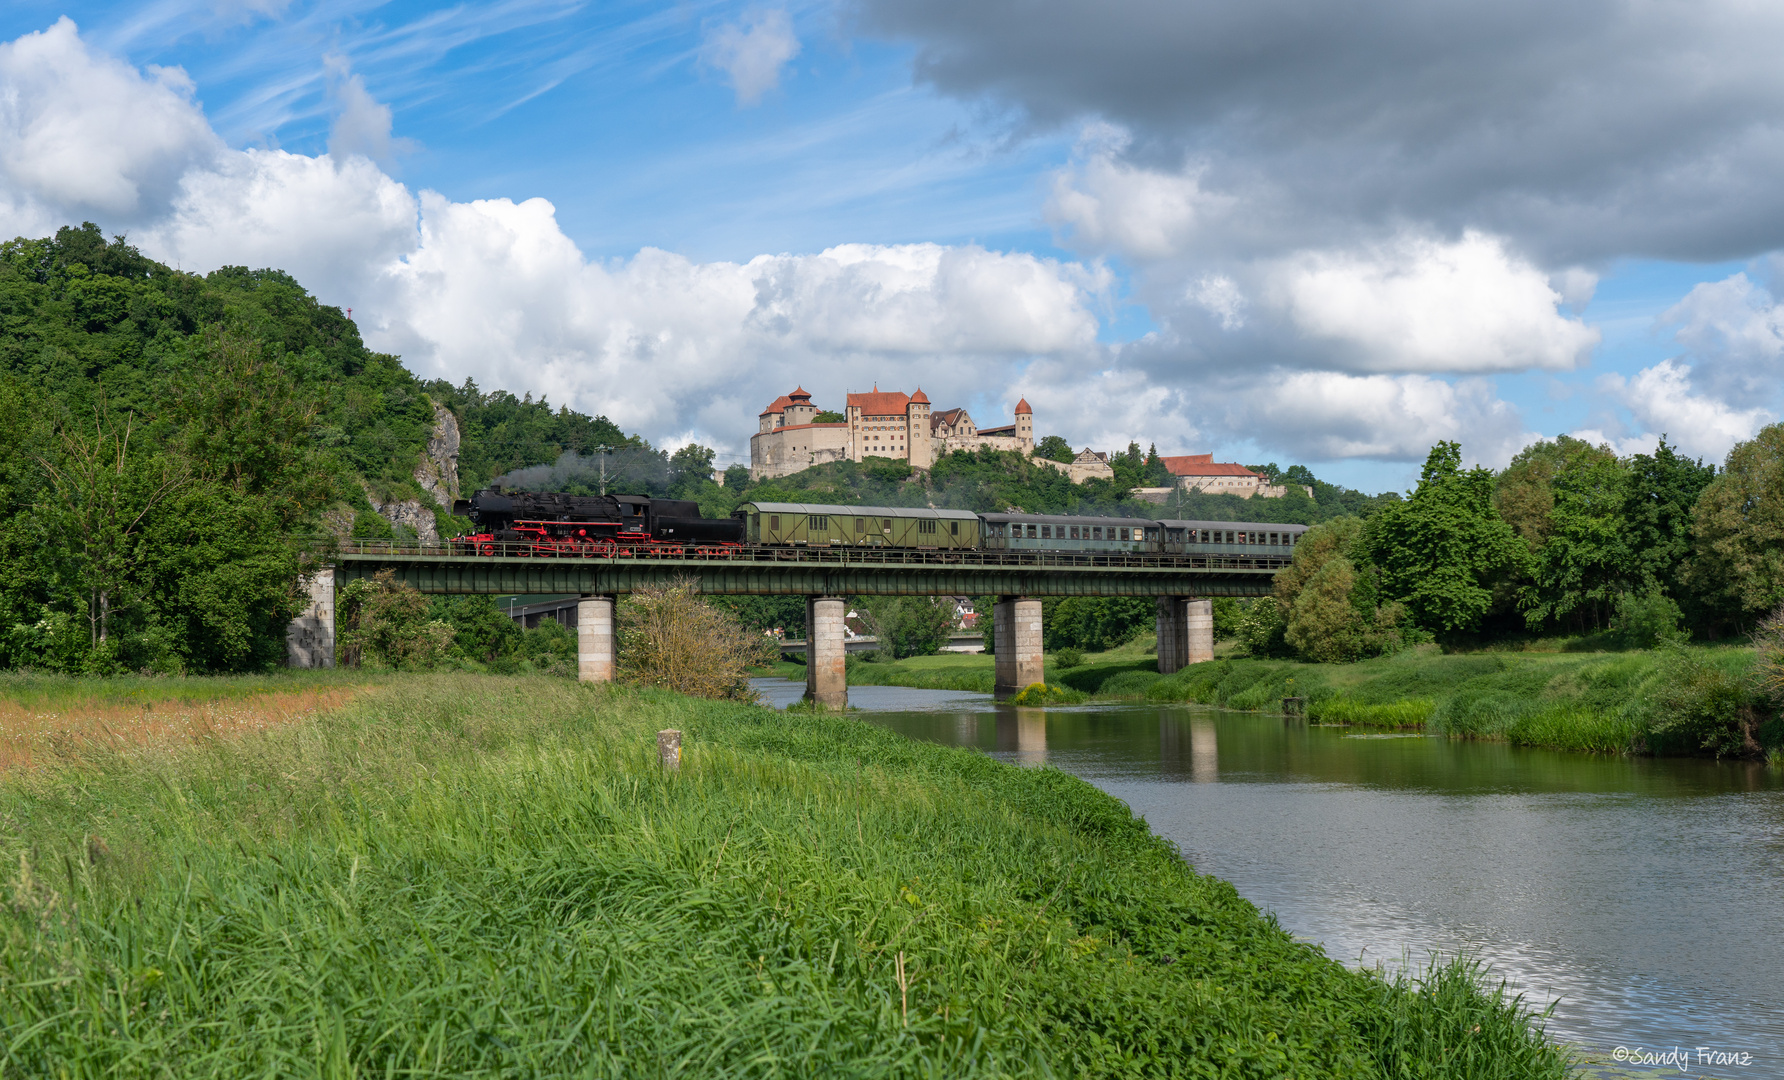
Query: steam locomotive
(547, 524)
(558, 524)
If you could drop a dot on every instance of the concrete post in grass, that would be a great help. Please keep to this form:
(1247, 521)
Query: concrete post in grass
(669, 748)
(1018, 632)
(594, 639)
(1198, 626)
(826, 654)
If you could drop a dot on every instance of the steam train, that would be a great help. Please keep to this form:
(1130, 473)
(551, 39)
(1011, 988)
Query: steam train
(555, 524)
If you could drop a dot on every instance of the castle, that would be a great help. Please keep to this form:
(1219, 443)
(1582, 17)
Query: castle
(882, 424)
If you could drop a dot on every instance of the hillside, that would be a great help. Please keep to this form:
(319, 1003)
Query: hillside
(172, 444)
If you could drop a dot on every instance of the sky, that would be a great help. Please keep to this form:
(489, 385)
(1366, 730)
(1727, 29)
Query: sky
(1286, 231)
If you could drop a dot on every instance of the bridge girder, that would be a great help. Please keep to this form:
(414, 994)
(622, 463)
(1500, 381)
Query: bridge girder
(516, 576)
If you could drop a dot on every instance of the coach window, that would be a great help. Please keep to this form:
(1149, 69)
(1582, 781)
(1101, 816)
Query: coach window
(819, 522)
(954, 527)
(886, 525)
(774, 522)
(1096, 532)
(1046, 532)
(858, 524)
(1031, 532)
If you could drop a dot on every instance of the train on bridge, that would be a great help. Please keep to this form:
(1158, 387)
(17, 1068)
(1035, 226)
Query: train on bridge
(561, 525)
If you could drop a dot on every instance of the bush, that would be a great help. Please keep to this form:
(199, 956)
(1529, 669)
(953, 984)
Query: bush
(909, 625)
(1068, 658)
(670, 637)
(1042, 694)
(1261, 630)
(1701, 704)
(1645, 620)
(385, 623)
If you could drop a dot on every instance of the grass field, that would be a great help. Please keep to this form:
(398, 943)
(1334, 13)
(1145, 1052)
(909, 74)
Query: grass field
(462, 875)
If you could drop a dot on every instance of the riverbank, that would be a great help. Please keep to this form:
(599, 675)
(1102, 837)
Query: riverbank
(1604, 702)
(467, 875)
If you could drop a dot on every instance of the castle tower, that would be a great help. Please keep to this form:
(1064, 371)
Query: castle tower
(917, 437)
(800, 410)
(1025, 426)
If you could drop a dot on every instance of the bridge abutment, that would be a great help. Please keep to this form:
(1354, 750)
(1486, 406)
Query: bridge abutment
(310, 639)
(1017, 630)
(826, 655)
(595, 653)
(1185, 633)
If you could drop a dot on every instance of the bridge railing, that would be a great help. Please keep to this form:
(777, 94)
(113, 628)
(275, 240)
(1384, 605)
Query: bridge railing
(826, 555)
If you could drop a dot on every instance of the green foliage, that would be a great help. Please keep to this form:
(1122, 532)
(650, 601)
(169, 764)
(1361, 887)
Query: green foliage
(908, 625)
(1703, 702)
(1068, 658)
(827, 416)
(1663, 487)
(1041, 694)
(501, 432)
(759, 613)
(1095, 623)
(481, 630)
(1262, 630)
(386, 623)
(1413, 713)
(1054, 448)
(1443, 551)
(1738, 568)
(1584, 558)
(1227, 615)
(1645, 620)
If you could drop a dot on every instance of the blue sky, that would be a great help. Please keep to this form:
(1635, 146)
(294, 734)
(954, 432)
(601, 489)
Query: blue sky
(625, 118)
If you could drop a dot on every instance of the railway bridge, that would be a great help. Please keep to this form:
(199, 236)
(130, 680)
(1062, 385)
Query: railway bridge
(1182, 585)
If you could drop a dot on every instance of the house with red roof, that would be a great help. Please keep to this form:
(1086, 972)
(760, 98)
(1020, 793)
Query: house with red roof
(1200, 472)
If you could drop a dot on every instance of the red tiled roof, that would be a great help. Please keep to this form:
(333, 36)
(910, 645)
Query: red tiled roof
(1022, 407)
(919, 398)
(880, 404)
(779, 404)
(1204, 465)
(802, 427)
(799, 392)
(1007, 431)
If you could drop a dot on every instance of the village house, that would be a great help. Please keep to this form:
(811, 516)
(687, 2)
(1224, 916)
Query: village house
(1200, 472)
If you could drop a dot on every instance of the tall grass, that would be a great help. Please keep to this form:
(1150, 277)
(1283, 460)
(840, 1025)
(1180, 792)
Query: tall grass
(464, 875)
(1413, 713)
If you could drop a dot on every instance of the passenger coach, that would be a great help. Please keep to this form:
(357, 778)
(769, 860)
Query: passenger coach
(819, 525)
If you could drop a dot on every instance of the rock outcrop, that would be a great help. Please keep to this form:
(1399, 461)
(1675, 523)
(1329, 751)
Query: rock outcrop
(437, 473)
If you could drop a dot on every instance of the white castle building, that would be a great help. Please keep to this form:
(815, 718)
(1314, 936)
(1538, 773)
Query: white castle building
(880, 424)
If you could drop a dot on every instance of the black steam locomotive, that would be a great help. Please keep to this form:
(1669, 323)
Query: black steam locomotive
(554, 523)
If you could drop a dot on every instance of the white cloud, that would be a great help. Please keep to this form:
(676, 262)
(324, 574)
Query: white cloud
(82, 134)
(1106, 204)
(1426, 305)
(1735, 331)
(753, 54)
(1324, 415)
(1664, 402)
(1221, 297)
(362, 125)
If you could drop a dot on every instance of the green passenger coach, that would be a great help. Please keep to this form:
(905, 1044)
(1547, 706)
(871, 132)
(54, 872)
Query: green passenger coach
(819, 525)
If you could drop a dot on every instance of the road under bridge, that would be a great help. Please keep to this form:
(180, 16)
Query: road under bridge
(1182, 585)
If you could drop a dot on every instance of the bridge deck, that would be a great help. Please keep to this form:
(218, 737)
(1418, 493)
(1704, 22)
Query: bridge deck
(814, 571)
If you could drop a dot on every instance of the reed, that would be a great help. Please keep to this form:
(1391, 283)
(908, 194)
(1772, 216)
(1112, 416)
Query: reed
(459, 875)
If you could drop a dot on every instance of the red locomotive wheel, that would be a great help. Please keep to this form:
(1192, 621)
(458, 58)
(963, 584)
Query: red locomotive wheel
(486, 549)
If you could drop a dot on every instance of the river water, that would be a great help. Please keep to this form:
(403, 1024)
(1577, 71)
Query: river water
(1644, 898)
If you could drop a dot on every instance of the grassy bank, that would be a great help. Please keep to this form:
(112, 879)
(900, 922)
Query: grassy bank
(1570, 701)
(472, 875)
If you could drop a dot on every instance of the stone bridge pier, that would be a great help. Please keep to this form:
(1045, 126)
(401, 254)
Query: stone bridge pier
(826, 651)
(1185, 632)
(595, 652)
(1016, 626)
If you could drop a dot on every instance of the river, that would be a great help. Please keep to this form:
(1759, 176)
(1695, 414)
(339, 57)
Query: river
(1642, 897)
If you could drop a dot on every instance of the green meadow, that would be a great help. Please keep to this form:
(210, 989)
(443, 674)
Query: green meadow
(473, 875)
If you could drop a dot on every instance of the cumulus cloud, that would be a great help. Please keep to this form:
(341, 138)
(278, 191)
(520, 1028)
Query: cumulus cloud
(82, 134)
(1106, 204)
(1596, 131)
(1664, 402)
(751, 54)
(1734, 330)
(1424, 305)
(362, 124)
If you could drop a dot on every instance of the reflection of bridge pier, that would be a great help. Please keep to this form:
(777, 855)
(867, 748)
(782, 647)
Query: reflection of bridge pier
(1204, 755)
(1023, 732)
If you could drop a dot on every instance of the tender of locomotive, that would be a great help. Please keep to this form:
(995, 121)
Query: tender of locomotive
(549, 524)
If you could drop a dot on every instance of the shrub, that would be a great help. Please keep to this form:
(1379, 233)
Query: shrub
(670, 637)
(1399, 714)
(1647, 619)
(909, 625)
(385, 624)
(1042, 694)
(1068, 658)
(1699, 704)
(1261, 630)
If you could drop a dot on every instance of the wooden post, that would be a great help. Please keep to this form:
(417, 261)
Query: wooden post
(669, 748)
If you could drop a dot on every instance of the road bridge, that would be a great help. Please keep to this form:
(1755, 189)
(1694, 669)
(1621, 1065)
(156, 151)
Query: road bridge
(1182, 586)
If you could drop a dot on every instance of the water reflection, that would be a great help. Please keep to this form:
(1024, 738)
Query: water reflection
(1640, 893)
